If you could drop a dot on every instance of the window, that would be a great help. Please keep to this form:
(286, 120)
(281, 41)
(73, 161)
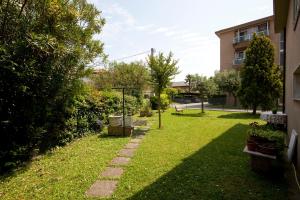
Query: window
(281, 49)
(243, 35)
(296, 84)
(296, 12)
(240, 55)
(262, 27)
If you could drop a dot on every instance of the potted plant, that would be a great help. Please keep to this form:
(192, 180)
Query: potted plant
(264, 140)
(273, 144)
(253, 137)
(274, 111)
(146, 109)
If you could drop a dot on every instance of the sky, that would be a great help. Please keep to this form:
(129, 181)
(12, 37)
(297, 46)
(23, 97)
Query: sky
(185, 27)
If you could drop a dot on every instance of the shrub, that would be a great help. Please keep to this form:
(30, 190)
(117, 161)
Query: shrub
(165, 102)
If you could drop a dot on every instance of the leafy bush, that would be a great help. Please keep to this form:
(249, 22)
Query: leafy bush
(111, 103)
(44, 52)
(165, 102)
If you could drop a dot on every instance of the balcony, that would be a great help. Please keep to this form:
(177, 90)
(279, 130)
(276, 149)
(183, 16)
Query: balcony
(248, 37)
(238, 61)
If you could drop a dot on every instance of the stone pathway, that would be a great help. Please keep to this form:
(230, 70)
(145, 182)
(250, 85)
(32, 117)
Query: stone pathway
(108, 179)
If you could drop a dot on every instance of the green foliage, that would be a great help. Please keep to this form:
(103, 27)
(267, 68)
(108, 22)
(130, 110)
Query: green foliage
(134, 75)
(45, 47)
(268, 133)
(228, 81)
(146, 106)
(171, 92)
(110, 102)
(188, 80)
(206, 87)
(162, 70)
(261, 82)
(165, 102)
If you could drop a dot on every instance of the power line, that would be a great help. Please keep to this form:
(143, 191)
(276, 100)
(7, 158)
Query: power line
(141, 53)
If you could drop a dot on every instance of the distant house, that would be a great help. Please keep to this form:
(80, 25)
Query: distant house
(181, 85)
(287, 22)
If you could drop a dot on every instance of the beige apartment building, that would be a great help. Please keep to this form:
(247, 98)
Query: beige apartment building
(287, 21)
(235, 40)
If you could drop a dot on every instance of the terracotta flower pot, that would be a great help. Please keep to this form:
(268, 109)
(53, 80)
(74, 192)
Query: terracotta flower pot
(251, 144)
(267, 148)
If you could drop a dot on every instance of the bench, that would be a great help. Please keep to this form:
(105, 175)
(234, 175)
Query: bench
(178, 109)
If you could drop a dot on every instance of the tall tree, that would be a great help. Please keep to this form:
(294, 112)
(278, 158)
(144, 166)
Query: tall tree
(260, 78)
(162, 70)
(201, 85)
(45, 47)
(133, 74)
(188, 80)
(228, 81)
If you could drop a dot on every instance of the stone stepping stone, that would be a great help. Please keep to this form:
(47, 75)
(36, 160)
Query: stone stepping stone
(120, 161)
(139, 136)
(112, 172)
(136, 140)
(103, 188)
(127, 152)
(132, 145)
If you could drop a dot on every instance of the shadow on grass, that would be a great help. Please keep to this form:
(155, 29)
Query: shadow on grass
(219, 170)
(189, 114)
(239, 116)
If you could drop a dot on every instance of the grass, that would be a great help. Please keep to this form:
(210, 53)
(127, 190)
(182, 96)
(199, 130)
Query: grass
(65, 173)
(197, 156)
(194, 156)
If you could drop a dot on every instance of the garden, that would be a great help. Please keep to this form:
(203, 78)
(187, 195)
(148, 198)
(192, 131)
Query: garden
(195, 155)
(56, 111)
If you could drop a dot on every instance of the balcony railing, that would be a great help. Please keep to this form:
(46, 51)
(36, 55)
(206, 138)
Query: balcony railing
(248, 37)
(238, 61)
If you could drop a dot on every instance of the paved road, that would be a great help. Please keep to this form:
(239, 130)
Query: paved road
(206, 106)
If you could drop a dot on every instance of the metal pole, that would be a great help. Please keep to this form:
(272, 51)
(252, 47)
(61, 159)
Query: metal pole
(152, 51)
(123, 90)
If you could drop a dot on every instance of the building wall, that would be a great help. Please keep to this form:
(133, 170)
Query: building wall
(226, 50)
(275, 38)
(292, 63)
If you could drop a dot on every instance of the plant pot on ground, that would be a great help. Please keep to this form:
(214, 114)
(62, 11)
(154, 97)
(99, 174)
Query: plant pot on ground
(268, 147)
(265, 140)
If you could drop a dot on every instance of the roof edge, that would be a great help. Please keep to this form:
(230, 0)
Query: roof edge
(280, 8)
(218, 33)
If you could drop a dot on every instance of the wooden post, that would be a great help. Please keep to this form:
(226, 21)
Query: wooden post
(123, 91)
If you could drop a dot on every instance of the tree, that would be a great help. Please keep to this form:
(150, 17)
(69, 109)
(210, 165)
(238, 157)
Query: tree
(200, 84)
(228, 81)
(134, 74)
(45, 47)
(260, 78)
(188, 80)
(171, 92)
(162, 70)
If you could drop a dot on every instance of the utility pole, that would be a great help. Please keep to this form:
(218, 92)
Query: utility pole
(152, 52)
(123, 105)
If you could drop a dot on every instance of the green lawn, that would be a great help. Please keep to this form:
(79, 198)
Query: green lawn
(66, 173)
(194, 156)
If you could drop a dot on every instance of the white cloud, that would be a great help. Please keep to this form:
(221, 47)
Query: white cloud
(116, 10)
(145, 27)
